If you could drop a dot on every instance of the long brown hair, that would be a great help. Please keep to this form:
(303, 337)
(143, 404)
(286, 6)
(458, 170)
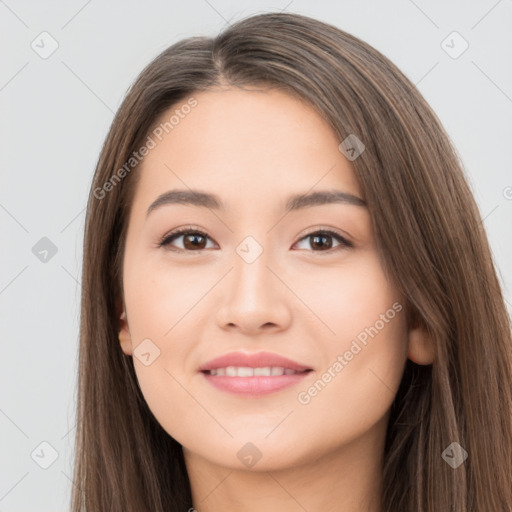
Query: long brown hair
(433, 247)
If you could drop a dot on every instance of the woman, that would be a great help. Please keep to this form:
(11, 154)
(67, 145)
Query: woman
(225, 364)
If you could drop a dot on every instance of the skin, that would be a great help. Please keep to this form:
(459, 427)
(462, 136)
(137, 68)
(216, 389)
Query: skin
(305, 302)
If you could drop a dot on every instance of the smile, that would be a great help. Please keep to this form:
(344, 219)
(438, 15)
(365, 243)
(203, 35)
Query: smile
(253, 373)
(243, 380)
(246, 371)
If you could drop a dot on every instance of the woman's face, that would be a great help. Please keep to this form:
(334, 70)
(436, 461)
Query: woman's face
(263, 277)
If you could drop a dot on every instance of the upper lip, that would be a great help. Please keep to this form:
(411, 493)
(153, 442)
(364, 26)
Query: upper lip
(252, 360)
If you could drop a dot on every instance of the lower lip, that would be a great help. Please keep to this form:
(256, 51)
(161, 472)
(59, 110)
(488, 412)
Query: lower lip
(254, 385)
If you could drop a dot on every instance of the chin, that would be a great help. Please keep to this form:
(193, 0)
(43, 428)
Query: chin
(255, 456)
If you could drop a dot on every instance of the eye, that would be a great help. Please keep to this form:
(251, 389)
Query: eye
(323, 239)
(193, 239)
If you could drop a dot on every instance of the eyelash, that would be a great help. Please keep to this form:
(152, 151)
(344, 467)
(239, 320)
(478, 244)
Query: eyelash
(169, 237)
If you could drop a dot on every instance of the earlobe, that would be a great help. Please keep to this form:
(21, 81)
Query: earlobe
(124, 335)
(421, 348)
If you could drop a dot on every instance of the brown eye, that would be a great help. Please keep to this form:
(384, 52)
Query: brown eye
(322, 241)
(193, 240)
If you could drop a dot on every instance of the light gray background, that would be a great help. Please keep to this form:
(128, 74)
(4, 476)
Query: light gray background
(55, 113)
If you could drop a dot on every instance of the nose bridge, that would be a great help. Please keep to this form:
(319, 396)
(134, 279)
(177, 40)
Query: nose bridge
(252, 256)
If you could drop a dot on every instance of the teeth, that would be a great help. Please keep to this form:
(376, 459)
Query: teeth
(231, 371)
(245, 371)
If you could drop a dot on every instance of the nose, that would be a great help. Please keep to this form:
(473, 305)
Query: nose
(256, 299)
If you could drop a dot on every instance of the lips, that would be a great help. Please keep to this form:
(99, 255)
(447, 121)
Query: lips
(255, 374)
(253, 360)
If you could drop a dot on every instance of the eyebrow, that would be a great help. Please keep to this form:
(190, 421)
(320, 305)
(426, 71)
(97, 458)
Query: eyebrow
(295, 202)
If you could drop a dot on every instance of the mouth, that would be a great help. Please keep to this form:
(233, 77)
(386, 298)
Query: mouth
(248, 381)
(253, 373)
(247, 371)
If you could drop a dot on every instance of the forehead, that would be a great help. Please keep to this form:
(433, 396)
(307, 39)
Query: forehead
(245, 146)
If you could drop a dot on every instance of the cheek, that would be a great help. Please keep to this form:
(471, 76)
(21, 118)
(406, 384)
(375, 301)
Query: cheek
(166, 308)
(347, 298)
(363, 345)
(160, 295)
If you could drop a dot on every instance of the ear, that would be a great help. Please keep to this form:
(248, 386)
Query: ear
(421, 348)
(125, 338)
